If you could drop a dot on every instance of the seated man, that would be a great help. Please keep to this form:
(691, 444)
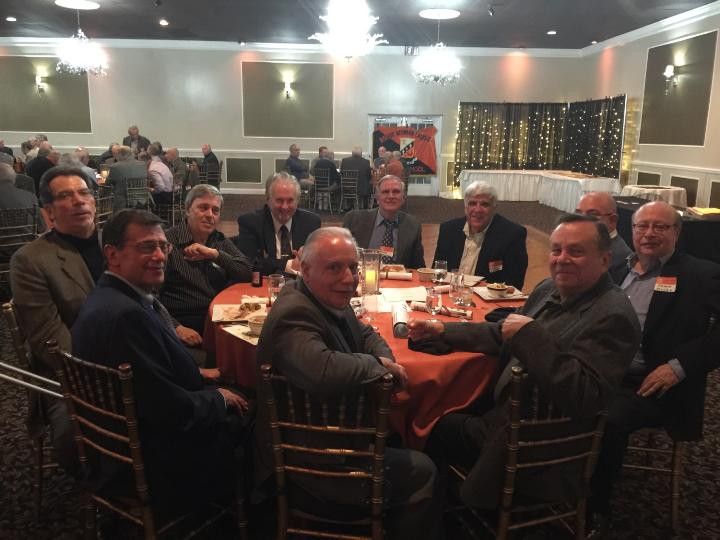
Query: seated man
(125, 168)
(178, 167)
(273, 234)
(602, 205)
(161, 179)
(188, 437)
(677, 299)
(355, 162)
(297, 168)
(325, 164)
(136, 142)
(575, 336)
(484, 243)
(210, 166)
(338, 352)
(202, 263)
(396, 234)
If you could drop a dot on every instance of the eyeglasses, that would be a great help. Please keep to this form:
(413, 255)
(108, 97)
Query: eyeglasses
(149, 247)
(642, 228)
(66, 195)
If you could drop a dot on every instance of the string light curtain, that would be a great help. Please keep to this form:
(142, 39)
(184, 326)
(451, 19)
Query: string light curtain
(595, 136)
(510, 136)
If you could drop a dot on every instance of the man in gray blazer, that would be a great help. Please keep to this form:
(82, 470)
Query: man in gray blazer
(396, 234)
(576, 335)
(126, 167)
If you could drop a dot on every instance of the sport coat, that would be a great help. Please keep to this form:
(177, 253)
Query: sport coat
(362, 166)
(683, 324)
(118, 176)
(256, 236)
(25, 182)
(409, 250)
(504, 245)
(142, 144)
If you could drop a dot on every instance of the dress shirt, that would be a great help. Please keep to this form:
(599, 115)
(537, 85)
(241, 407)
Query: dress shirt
(640, 289)
(471, 250)
(276, 226)
(379, 231)
(160, 176)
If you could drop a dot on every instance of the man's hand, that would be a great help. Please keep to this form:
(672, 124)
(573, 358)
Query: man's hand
(199, 252)
(233, 401)
(292, 266)
(188, 336)
(512, 324)
(397, 371)
(210, 374)
(420, 330)
(660, 380)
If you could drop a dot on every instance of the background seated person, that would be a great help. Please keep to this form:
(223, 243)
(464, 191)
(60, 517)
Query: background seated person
(295, 166)
(484, 243)
(273, 234)
(161, 179)
(202, 263)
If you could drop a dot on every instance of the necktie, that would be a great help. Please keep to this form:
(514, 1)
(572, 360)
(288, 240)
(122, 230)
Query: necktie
(285, 249)
(164, 315)
(387, 239)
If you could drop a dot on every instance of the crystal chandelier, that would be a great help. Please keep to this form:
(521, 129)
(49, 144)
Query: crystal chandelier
(349, 23)
(80, 55)
(437, 64)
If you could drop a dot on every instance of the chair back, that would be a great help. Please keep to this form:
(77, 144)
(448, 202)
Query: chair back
(339, 439)
(211, 177)
(348, 181)
(172, 213)
(104, 198)
(137, 193)
(18, 226)
(322, 180)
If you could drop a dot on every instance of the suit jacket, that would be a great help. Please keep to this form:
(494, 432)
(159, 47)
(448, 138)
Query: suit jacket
(118, 176)
(504, 241)
(183, 422)
(36, 168)
(23, 181)
(409, 249)
(362, 166)
(679, 325)
(620, 251)
(324, 164)
(577, 354)
(256, 236)
(142, 144)
(13, 197)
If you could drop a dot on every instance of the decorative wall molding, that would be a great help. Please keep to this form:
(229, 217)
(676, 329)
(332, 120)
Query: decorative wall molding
(705, 176)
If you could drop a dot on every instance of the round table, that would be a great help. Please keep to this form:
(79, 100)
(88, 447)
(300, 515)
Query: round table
(436, 386)
(674, 195)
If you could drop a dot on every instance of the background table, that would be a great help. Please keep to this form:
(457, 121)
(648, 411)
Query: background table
(677, 196)
(436, 384)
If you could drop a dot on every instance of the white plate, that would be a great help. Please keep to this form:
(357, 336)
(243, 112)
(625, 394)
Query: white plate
(234, 312)
(482, 292)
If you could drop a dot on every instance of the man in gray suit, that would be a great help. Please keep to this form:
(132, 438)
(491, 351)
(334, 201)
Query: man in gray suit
(126, 167)
(576, 336)
(396, 234)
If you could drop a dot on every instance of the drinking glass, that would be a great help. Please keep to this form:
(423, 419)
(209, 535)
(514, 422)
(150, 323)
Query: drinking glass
(465, 296)
(275, 283)
(433, 302)
(439, 271)
(456, 282)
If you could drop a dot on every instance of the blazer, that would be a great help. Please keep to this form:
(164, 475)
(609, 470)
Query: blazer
(183, 422)
(118, 175)
(409, 250)
(256, 236)
(504, 242)
(362, 166)
(683, 325)
(142, 144)
(25, 182)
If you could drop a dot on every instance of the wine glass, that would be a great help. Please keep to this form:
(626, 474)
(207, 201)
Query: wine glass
(433, 302)
(439, 271)
(275, 284)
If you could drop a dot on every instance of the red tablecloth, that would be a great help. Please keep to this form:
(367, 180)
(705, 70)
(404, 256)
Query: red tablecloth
(437, 385)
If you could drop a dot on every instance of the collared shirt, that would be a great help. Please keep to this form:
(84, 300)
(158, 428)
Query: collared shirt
(160, 176)
(296, 167)
(277, 225)
(379, 231)
(640, 289)
(471, 250)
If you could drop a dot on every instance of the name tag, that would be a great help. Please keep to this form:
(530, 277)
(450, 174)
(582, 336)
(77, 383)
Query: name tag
(666, 284)
(495, 266)
(387, 251)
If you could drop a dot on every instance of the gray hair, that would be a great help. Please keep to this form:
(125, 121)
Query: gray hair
(7, 173)
(389, 177)
(82, 154)
(200, 191)
(7, 159)
(480, 188)
(69, 160)
(280, 177)
(357, 150)
(44, 151)
(123, 153)
(155, 149)
(310, 249)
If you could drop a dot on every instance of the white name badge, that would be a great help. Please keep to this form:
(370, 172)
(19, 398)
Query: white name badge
(666, 284)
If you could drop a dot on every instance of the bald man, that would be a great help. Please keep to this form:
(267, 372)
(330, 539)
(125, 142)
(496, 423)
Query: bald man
(602, 205)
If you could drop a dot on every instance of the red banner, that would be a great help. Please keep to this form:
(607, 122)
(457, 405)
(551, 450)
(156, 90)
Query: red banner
(417, 146)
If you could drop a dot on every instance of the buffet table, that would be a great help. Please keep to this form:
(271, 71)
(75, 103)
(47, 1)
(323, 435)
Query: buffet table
(436, 384)
(559, 189)
(677, 196)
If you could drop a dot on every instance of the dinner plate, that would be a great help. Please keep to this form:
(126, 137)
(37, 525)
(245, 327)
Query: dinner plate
(482, 292)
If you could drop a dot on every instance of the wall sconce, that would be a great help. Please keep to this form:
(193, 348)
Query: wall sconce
(671, 78)
(40, 84)
(288, 89)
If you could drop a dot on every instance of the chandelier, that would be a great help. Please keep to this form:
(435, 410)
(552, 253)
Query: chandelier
(437, 64)
(349, 23)
(80, 55)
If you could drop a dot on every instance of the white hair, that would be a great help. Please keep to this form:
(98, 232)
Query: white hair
(480, 188)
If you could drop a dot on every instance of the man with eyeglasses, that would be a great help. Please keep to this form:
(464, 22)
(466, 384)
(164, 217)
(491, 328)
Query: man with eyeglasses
(602, 205)
(188, 427)
(677, 300)
(50, 278)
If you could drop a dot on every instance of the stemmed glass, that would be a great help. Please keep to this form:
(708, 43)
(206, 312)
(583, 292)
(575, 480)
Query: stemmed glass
(433, 302)
(440, 269)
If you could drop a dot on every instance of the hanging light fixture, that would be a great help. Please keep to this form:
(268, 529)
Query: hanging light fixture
(80, 55)
(437, 64)
(349, 23)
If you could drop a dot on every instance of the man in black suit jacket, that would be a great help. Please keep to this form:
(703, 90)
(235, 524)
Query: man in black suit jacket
(46, 159)
(135, 141)
(372, 227)
(484, 243)
(260, 233)
(188, 437)
(677, 299)
(358, 163)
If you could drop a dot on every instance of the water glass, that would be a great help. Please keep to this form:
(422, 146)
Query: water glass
(433, 302)
(439, 271)
(465, 296)
(275, 283)
(457, 280)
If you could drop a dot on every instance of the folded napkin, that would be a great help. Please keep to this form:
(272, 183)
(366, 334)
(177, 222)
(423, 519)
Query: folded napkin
(243, 332)
(442, 288)
(402, 276)
(264, 300)
(444, 310)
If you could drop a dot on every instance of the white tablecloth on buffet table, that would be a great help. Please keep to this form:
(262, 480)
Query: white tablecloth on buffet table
(677, 196)
(559, 189)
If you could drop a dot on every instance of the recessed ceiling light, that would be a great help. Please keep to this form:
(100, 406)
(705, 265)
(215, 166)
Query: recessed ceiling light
(77, 4)
(163, 22)
(439, 14)
(10, 19)
(551, 32)
(593, 42)
(242, 43)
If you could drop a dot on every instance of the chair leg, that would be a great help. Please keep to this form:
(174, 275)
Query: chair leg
(242, 519)
(580, 520)
(38, 477)
(90, 519)
(677, 461)
(503, 525)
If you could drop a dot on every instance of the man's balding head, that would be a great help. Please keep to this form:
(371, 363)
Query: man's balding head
(601, 205)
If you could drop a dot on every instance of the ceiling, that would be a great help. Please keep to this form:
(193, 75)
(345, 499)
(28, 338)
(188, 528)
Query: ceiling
(516, 23)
